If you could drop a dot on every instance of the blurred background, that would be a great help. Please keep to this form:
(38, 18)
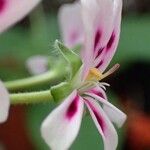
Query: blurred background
(129, 89)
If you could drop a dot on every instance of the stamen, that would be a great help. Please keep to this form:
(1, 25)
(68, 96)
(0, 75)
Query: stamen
(111, 71)
(105, 84)
(87, 85)
(91, 84)
(93, 78)
(102, 86)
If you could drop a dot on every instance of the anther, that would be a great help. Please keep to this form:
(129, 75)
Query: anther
(111, 71)
(94, 74)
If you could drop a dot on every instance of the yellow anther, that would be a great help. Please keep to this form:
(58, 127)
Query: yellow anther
(94, 74)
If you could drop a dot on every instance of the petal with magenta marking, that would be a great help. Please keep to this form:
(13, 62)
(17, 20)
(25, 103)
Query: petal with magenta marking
(12, 11)
(104, 58)
(2, 5)
(61, 127)
(98, 25)
(4, 103)
(71, 25)
(114, 114)
(104, 126)
(99, 92)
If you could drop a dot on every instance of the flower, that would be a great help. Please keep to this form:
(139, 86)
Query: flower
(37, 64)
(101, 27)
(4, 103)
(11, 11)
(71, 24)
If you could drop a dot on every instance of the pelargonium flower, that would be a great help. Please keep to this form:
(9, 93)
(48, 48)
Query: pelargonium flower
(4, 103)
(37, 64)
(12, 11)
(101, 27)
(71, 24)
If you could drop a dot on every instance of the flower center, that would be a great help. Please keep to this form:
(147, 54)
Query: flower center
(93, 78)
(94, 75)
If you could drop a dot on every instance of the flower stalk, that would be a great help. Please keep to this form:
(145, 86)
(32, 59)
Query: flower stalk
(48, 77)
(31, 97)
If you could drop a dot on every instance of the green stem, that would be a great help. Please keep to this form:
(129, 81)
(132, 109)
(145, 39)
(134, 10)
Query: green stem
(47, 77)
(31, 98)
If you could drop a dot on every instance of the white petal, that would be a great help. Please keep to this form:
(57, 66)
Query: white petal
(99, 92)
(104, 126)
(98, 25)
(61, 127)
(114, 114)
(37, 64)
(12, 11)
(4, 103)
(112, 44)
(71, 25)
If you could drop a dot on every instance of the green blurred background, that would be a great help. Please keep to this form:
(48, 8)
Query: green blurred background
(36, 35)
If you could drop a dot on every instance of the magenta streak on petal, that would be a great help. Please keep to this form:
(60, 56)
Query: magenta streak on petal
(97, 39)
(73, 37)
(2, 5)
(99, 52)
(98, 93)
(111, 41)
(98, 117)
(99, 64)
(73, 107)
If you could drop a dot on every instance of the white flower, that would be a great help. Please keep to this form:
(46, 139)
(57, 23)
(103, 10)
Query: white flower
(37, 64)
(12, 11)
(100, 25)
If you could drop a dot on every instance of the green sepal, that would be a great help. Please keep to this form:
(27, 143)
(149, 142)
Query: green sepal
(72, 58)
(77, 49)
(61, 91)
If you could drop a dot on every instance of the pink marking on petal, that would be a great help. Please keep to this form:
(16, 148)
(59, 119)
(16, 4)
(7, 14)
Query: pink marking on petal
(73, 107)
(97, 39)
(73, 37)
(111, 41)
(99, 64)
(99, 52)
(98, 117)
(2, 5)
(98, 93)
